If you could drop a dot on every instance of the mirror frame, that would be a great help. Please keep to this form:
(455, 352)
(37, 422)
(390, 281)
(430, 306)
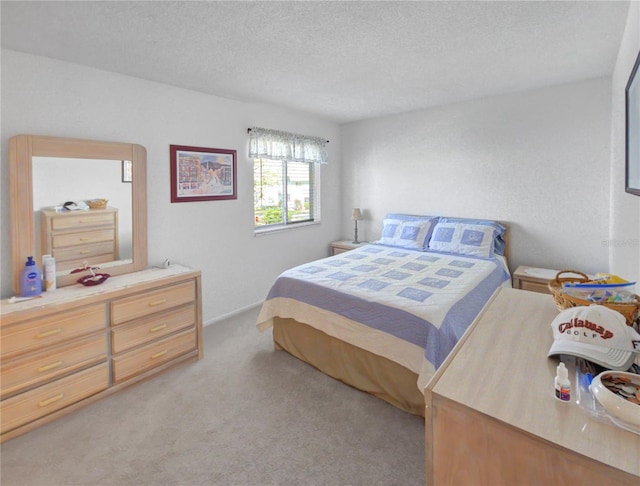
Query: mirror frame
(22, 217)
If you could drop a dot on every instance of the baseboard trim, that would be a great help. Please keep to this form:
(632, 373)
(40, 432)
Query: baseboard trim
(232, 313)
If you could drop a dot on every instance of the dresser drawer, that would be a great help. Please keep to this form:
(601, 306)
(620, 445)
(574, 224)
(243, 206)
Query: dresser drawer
(153, 327)
(79, 220)
(41, 401)
(543, 288)
(79, 263)
(129, 308)
(54, 329)
(34, 369)
(152, 355)
(81, 252)
(83, 238)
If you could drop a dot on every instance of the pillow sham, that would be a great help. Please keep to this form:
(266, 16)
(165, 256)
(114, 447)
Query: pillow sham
(410, 217)
(412, 234)
(463, 239)
(498, 235)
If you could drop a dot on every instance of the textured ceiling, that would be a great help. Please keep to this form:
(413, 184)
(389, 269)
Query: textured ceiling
(342, 60)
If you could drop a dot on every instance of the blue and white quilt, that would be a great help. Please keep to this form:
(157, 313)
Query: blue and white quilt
(409, 306)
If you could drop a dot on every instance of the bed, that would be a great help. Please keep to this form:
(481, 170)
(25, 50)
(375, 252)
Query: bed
(384, 316)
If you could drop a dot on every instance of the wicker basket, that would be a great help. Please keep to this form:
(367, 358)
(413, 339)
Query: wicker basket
(630, 310)
(97, 203)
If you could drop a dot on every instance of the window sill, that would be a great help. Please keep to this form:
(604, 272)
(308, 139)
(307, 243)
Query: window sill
(278, 229)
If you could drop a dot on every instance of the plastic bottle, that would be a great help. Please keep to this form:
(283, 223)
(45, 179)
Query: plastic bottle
(562, 383)
(49, 266)
(30, 279)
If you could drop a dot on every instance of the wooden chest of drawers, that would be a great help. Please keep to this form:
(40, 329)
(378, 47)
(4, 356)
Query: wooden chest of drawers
(77, 344)
(77, 236)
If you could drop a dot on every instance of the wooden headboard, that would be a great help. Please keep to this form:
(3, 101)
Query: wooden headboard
(507, 238)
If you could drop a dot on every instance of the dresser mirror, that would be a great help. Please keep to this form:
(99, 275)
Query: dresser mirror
(47, 172)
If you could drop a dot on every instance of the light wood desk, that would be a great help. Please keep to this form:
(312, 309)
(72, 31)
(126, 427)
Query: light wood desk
(491, 414)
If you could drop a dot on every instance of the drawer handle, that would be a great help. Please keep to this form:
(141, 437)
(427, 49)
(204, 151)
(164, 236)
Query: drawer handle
(158, 354)
(49, 366)
(158, 328)
(83, 252)
(85, 239)
(49, 401)
(157, 302)
(48, 333)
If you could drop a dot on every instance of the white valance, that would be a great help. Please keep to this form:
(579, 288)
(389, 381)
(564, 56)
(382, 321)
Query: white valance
(265, 143)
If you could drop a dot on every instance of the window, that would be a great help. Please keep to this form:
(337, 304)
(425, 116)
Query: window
(286, 178)
(284, 192)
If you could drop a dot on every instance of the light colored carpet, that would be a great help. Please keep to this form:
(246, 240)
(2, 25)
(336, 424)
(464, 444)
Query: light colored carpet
(244, 415)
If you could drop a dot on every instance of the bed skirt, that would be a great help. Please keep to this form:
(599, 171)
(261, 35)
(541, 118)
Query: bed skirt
(354, 366)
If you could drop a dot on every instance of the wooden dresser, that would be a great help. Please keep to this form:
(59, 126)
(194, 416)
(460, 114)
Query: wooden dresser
(77, 344)
(492, 417)
(75, 236)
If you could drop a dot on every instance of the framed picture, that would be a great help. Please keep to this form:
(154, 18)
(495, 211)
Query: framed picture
(127, 171)
(632, 95)
(202, 174)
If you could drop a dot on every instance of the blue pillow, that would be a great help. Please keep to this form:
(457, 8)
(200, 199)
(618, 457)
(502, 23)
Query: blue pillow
(498, 234)
(404, 231)
(463, 239)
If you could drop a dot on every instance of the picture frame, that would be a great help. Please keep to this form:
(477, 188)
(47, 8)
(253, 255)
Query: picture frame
(632, 134)
(127, 171)
(202, 174)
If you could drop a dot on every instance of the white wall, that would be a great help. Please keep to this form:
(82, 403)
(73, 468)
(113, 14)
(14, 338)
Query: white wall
(538, 160)
(47, 97)
(624, 244)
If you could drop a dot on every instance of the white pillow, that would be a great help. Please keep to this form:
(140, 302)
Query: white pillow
(412, 235)
(463, 239)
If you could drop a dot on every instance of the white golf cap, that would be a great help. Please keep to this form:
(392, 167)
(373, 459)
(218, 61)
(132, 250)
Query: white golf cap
(595, 333)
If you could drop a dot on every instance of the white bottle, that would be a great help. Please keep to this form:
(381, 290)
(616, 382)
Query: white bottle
(49, 272)
(562, 383)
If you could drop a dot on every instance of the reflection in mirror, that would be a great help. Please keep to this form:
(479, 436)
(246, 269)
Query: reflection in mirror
(27, 153)
(101, 237)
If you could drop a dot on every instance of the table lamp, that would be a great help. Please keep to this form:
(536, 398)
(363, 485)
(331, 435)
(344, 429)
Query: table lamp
(356, 215)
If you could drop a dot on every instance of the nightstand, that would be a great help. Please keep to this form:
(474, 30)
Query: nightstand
(533, 278)
(344, 245)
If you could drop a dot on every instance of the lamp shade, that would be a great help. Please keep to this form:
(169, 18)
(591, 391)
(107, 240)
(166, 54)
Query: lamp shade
(356, 214)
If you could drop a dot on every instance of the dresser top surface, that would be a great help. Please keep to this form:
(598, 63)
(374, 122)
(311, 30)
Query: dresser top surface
(62, 214)
(501, 369)
(77, 292)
